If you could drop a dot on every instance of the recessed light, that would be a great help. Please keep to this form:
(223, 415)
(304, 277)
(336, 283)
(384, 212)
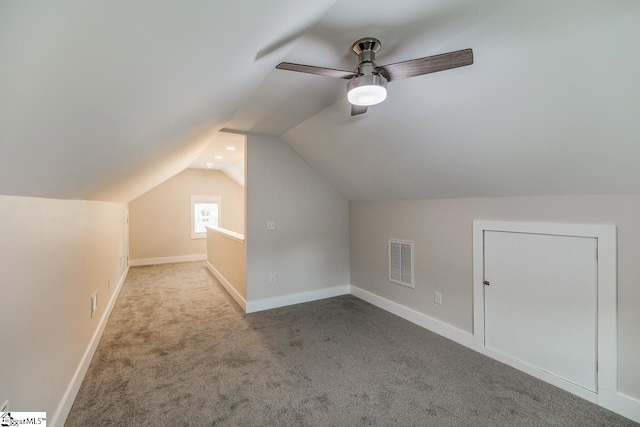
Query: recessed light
(209, 165)
(218, 157)
(231, 148)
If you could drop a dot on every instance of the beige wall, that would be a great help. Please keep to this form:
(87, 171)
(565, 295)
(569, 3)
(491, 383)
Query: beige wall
(309, 249)
(229, 257)
(442, 231)
(54, 255)
(160, 220)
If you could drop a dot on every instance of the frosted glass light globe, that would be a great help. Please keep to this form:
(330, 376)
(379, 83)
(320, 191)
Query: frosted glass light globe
(367, 90)
(367, 95)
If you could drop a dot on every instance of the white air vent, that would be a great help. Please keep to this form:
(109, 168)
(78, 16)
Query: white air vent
(401, 262)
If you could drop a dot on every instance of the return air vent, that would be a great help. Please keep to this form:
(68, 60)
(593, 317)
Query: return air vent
(401, 262)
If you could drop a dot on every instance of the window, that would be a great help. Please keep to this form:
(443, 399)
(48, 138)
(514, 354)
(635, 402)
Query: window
(205, 210)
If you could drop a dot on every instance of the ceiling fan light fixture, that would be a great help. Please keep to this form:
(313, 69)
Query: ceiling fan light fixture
(368, 82)
(367, 90)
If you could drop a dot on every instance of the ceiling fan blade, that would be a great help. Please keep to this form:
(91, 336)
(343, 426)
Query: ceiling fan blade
(310, 69)
(429, 64)
(357, 110)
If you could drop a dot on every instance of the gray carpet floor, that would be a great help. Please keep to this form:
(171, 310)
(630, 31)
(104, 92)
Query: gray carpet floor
(177, 351)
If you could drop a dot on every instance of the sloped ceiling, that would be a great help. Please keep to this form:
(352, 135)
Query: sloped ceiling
(225, 152)
(104, 100)
(550, 106)
(407, 29)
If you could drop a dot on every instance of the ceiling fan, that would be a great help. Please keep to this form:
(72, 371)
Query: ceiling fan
(368, 83)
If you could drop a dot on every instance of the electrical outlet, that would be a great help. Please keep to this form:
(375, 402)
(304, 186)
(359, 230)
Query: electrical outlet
(108, 284)
(438, 298)
(5, 406)
(271, 225)
(272, 279)
(94, 303)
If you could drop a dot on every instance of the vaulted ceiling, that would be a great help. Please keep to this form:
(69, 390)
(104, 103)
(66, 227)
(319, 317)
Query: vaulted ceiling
(550, 106)
(104, 100)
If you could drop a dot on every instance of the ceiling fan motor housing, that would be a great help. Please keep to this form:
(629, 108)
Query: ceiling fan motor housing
(366, 49)
(369, 87)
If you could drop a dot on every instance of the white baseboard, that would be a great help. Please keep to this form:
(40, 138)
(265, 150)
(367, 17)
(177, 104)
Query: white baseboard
(166, 260)
(70, 394)
(536, 372)
(297, 298)
(420, 319)
(619, 403)
(228, 286)
(616, 402)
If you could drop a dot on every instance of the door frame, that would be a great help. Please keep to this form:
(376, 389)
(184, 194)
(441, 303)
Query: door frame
(607, 343)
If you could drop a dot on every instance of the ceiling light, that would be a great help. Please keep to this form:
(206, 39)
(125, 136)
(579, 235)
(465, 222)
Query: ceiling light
(218, 157)
(367, 90)
(209, 165)
(231, 148)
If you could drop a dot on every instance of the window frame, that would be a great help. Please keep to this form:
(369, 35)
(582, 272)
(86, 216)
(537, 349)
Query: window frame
(204, 199)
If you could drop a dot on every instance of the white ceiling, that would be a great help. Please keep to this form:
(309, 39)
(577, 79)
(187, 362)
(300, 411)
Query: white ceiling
(232, 161)
(106, 100)
(218, 147)
(406, 28)
(550, 106)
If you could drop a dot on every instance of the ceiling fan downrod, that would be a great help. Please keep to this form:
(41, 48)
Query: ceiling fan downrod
(366, 49)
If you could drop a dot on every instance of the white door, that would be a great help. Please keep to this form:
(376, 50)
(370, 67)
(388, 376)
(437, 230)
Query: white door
(540, 298)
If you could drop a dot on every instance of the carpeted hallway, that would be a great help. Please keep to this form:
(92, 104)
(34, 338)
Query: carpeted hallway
(177, 351)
